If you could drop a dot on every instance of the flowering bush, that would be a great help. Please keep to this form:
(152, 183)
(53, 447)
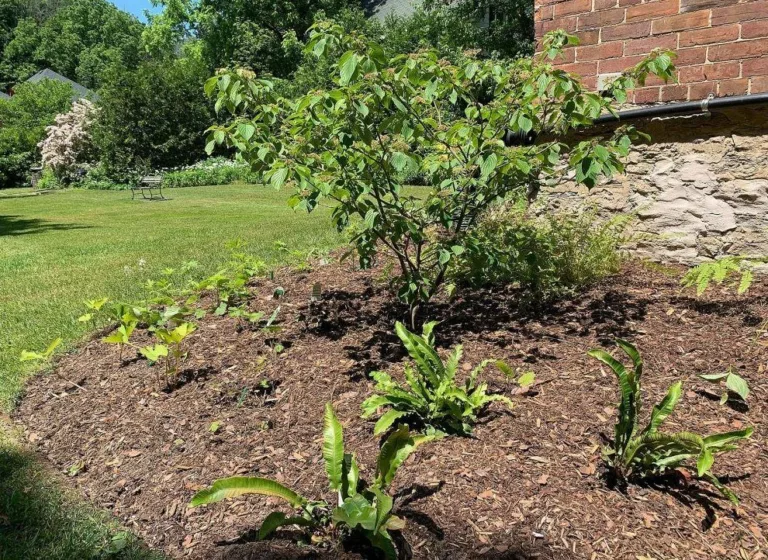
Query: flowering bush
(68, 139)
(213, 171)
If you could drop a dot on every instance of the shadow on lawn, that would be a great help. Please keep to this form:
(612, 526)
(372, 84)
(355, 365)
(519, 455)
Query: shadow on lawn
(38, 519)
(15, 225)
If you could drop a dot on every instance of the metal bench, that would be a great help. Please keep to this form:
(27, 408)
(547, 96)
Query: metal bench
(147, 184)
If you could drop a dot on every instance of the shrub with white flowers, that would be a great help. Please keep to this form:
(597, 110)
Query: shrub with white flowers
(68, 140)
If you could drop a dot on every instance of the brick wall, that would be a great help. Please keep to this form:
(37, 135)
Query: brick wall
(722, 45)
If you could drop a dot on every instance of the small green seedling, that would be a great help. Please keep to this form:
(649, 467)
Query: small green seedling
(44, 356)
(94, 306)
(122, 336)
(525, 378)
(174, 340)
(734, 384)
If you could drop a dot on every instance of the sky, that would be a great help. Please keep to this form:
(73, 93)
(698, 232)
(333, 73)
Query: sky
(136, 7)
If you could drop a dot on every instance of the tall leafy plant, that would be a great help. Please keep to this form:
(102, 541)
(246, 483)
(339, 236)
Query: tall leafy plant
(358, 508)
(641, 452)
(387, 118)
(431, 396)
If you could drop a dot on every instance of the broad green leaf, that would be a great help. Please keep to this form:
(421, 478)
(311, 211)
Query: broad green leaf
(526, 379)
(489, 165)
(396, 449)
(277, 519)
(705, 461)
(717, 441)
(738, 385)
(240, 485)
(386, 421)
(333, 448)
(347, 66)
(354, 511)
(667, 405)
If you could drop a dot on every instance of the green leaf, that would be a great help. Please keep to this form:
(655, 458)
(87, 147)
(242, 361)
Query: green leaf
(714, 377)
(489, 165)
(278, 177)
(347, 66)
(662, 410)
(240, 485)
(717, 441)
(246, 130)
(354, 511)
(386, 421)
(396, 449)
(526, 379)
(333, 448)
(738, 385)
(705, 461)
(277, 519)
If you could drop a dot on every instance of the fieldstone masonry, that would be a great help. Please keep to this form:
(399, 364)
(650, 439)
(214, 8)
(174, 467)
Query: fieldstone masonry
(700, 189)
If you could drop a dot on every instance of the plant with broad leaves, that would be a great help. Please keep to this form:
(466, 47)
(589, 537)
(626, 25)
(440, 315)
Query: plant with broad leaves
(44, 356)
(387, 118)
(721, 271)
(734, 383)
(171, 347)
(431, 396)
(122, 335)
(243, 316)
(94, 306)
(642, 452)
(362, 509)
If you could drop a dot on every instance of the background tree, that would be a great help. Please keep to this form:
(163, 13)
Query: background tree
(386, 117)
(23, 120)
(153, 116)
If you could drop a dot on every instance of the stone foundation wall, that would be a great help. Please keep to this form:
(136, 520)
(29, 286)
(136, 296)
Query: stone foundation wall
(699, 190)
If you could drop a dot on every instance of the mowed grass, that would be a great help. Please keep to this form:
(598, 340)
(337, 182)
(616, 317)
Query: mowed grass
(59, 249)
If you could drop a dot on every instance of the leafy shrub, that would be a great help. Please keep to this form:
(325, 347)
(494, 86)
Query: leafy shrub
(547, 256)
(722, 271)
(24, 118)
(432, 397)
(363, 509)
(215, 171)
(388, 116)
(641, 453)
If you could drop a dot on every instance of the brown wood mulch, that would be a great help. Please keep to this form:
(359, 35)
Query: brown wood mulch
(528, 484)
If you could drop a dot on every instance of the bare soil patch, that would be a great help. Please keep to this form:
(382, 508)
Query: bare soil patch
(527, 485)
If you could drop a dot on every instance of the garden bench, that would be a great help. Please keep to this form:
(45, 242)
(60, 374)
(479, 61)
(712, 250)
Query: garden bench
(147, 184)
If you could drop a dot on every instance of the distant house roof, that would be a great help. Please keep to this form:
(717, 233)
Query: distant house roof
(380, 9)
(79, 91)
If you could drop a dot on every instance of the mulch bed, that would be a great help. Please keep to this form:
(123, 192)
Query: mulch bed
(528, 484)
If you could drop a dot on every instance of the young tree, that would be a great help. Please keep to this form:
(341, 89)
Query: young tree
(68, 139)
(386, 117)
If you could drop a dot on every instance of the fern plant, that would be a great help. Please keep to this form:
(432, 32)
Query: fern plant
(645, 452)
(723, 270)
(360, 510)
(431, 396)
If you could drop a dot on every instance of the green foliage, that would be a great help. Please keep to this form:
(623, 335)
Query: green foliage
(648, 451)
(386, 116)
(216, 171)
(44, 356)
(79, 39)
(734, 383)
(151, 118)
(362, 510)
(721, 271)
(549, 256)
(432, 397)
(499, 28)
(24, 118)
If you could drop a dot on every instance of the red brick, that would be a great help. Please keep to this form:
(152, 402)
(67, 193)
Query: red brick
(687, 57)
(733, 87)
(722, 34)
(627, 31)
(573, 7)
(754, 29)
(674, 93)
(722, 71)
(740, 12)
(652, 80)
(645, 46)
(566, 57)
(738, 51)
(653, 10)
(691, 74)
(601, 19)
(697, 92)
(647, 95)
(588, 37)
(630, 2)
(600, 52)
(568, 24)
(759, 85)
(605, 4)
(618, 64)
(590, 83)
(681, 22)
(694, 5)
(544, 13)
(755, 67)
(581, 68)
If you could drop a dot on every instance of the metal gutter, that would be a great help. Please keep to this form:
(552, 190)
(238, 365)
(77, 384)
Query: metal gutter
(687, 108)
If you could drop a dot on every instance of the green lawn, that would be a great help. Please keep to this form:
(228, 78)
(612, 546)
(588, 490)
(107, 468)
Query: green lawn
(59, 249)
